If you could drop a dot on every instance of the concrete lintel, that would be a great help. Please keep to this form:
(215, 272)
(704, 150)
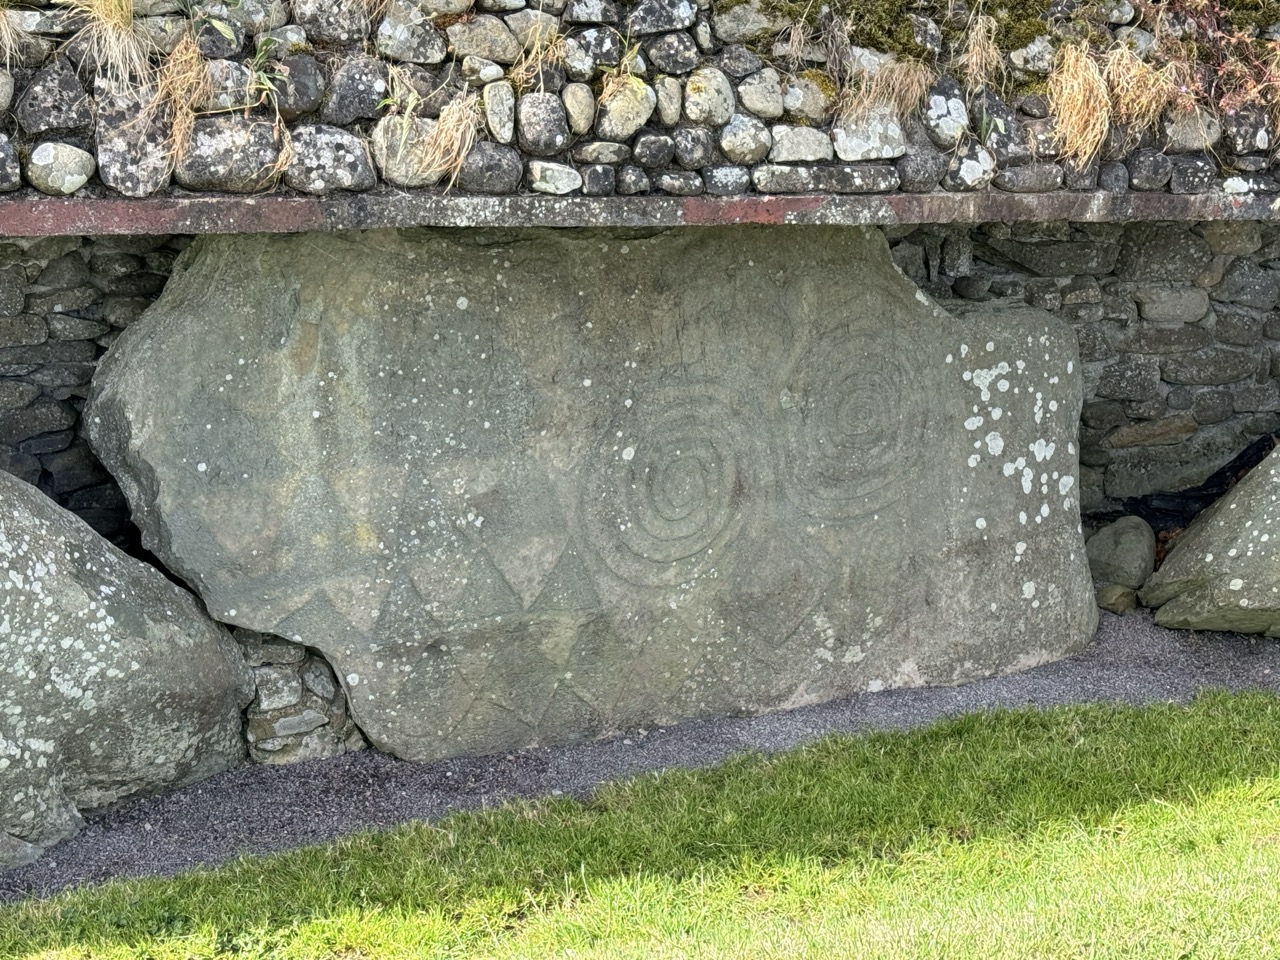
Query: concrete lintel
(34, 216)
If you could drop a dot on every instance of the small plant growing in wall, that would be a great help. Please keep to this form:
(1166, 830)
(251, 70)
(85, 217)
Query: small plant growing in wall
(431, 150)
(113, 41)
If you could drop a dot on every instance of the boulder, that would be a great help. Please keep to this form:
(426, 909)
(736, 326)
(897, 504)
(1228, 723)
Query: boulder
(1222, 573)
(132, 139)
(114, 681)
(231, 153)
(1123, 552)
(508, 511)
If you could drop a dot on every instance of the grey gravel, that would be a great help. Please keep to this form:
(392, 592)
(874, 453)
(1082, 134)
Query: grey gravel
(260, 809)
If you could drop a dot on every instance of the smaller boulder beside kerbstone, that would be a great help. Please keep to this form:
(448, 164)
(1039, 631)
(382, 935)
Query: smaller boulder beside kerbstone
(1123, 552)
(1222, 574)
(1121, 557)
(114, 682)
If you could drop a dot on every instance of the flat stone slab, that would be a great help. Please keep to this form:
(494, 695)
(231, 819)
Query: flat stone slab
(37, 215)
(511, 509)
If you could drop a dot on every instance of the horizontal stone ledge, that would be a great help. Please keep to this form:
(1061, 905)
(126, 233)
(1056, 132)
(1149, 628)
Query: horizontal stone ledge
(44, 216)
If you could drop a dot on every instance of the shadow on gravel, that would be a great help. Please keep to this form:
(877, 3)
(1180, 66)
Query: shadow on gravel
(259, 810)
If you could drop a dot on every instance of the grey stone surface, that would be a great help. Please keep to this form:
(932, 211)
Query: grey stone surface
(580, 108)
(59, 169)
(1191, 131)
(708, 97)
(55, 100)
(1161, 252)
(856, 178)
(946, 118)
(1221, 574)
(132, 140)
(1054, 258)
(1166, 303)
(694, 148)
(803, 144)
(659, 16)
(340, 21)
(629, 108)
(553, 178)
(491, 168)
(230, 153)
(875, 135)
(407, 34)
(533, 557)
(356, 91)
(326, 159)
(1193, 174)
(1149, 170)
(1123, 552)
(114, 681)
(1030, 178)
(1249, 285)
(761, 94)
(541, 124)
(498, 101)
(484, 36)
(744, 139)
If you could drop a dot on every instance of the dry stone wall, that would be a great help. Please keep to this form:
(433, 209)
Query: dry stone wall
(585, 97)
(63, 301)
(1176, 325)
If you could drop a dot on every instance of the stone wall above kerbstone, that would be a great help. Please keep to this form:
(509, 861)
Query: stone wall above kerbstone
(1177, 326)
(63, 300)
(509, 508)
(660, 97)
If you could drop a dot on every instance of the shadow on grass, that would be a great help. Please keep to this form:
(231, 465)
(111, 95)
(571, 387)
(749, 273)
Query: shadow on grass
(841, 800)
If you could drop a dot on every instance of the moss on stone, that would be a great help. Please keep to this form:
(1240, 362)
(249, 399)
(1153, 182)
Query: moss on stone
(883, 25)
(822, 80)
(1252, 14)
(1021, 21)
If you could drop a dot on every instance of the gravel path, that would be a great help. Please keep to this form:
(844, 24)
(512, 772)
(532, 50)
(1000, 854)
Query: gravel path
(259, 809)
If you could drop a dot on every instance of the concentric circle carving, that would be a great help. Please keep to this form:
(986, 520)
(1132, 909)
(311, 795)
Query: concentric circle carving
(855, 418)
(672, 485)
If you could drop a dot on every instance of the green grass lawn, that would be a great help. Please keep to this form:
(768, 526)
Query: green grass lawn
(1083, 832)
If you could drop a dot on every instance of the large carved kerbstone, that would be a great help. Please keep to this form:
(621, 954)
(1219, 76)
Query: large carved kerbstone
(113, 681)
(535, 486)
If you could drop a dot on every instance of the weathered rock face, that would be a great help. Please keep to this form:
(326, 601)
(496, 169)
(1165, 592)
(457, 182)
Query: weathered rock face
(1222, 573)
(511, 510)
(113, 681)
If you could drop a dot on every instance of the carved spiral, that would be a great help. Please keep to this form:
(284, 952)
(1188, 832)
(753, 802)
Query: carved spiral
(671, 485)
(854, 424)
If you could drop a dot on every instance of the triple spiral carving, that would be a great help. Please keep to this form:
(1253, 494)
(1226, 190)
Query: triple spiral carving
(678, 478)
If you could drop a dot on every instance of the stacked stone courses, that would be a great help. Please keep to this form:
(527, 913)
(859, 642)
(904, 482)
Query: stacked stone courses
(1176, 325)
(561, 97)
(63, 301)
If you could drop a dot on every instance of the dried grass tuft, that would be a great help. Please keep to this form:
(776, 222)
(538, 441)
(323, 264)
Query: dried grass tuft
(542, 48)
(374, 11)
(182, 89)
(113, 40)
(1139, 92)
(442, 152)
(900, 84)
(980, 62)
(12, 38)
(1078, 98)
